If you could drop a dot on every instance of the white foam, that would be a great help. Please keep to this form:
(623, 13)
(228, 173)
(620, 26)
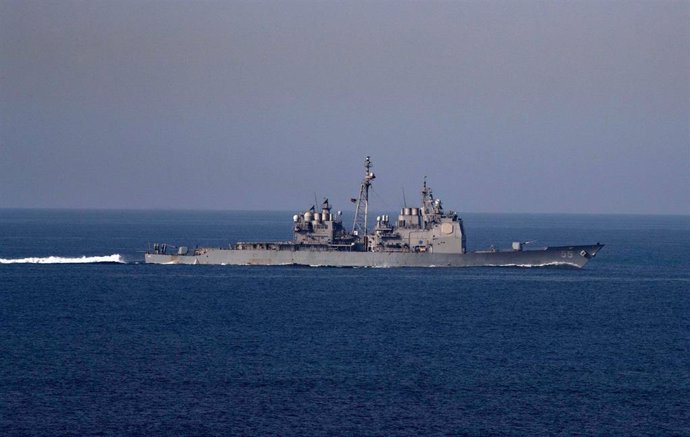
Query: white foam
(549, 264)
(115, 258)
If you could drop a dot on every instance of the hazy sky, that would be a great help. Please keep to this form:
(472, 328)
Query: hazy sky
(514, 106)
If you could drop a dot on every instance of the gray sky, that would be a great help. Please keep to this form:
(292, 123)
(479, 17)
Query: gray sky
(505, 106)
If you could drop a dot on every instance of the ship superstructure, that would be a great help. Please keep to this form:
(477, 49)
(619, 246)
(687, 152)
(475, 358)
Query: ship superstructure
(421, 236)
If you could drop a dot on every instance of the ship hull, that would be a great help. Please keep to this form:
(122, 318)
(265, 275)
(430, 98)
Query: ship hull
(574, 256)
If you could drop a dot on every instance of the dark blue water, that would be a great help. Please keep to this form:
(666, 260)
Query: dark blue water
(134, 348)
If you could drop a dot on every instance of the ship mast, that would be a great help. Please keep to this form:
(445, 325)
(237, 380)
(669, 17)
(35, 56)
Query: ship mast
(359, 226)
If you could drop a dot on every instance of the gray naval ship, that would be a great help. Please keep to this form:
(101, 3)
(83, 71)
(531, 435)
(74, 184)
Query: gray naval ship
(424, 236)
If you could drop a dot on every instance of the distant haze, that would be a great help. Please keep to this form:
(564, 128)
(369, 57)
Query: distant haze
(509, 106)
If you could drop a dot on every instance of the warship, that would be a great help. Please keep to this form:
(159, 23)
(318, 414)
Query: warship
(424, 236)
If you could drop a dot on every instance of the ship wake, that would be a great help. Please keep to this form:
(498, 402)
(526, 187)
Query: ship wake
(540, 265)
(113, 259)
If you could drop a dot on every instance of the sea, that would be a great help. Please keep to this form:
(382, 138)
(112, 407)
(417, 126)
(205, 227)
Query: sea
(95, 342)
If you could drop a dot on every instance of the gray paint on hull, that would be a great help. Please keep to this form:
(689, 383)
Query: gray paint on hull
(576, 256)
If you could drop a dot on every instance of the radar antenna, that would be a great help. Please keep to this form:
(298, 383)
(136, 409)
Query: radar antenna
(359, 226)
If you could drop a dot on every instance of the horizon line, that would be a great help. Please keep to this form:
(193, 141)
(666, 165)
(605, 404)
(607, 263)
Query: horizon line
(135, 209)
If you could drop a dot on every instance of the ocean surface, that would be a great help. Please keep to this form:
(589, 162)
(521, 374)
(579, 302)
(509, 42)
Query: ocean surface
(119, 347)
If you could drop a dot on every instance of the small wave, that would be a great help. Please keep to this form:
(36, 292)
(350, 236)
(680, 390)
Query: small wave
(115, 258)
(529, 266)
